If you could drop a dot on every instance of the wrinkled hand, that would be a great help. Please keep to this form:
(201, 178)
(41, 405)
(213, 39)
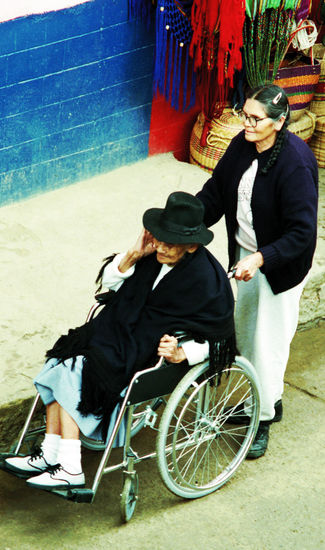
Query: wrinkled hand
(142, 247)
(247, 267)
(168, 348)
(144, 244)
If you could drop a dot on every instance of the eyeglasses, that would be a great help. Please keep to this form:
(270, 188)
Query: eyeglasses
(252, 120)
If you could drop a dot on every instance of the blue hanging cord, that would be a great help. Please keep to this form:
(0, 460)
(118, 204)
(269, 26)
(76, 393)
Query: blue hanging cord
(177, 76)
(193, 90)
(184, 108)
(161, 46)
(171, 46)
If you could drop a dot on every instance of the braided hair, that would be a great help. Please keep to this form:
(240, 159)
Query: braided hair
(275, 104)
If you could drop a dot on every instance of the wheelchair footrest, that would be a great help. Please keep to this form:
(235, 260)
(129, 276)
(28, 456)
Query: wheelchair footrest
(4, 467)
(3, 456)
(76, 495)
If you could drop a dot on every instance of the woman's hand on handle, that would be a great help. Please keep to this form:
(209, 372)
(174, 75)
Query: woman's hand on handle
(168, 348)
(247, 267)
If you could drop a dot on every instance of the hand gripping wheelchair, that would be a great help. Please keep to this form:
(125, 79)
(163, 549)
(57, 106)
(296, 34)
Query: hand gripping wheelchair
(198, 449)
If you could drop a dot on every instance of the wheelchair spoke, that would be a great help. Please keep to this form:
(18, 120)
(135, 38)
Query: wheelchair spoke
(202, 449)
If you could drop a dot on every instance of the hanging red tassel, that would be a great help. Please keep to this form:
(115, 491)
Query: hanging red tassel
(232, 17)
(204, 21)
(216, 49)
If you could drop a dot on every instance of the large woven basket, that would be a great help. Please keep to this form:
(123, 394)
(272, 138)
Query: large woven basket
(304, 127)
(317, 143)
(317, 105)
(299, 79)
(222, 131)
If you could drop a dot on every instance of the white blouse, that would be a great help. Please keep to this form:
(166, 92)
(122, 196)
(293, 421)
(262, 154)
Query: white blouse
(245, 234)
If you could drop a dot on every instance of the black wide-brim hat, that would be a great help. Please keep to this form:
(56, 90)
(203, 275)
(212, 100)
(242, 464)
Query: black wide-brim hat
(180, 222)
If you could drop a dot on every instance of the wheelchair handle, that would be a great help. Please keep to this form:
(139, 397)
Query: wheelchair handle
(104, 297)
(178, 334)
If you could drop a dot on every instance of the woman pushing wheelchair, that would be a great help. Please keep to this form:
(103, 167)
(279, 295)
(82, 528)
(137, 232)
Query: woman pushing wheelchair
(167, 281)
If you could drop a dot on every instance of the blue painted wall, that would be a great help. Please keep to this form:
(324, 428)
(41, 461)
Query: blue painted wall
(75, 96)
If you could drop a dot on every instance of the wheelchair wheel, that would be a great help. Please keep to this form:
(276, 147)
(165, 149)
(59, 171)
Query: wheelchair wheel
(137, 425)
(198, 450)
(129, 497)
(92, 444)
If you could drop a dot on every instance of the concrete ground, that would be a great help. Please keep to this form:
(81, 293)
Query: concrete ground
(274, 503)
(51, 248)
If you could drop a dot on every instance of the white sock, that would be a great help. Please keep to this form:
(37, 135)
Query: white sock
(50, 447)
(69, 455)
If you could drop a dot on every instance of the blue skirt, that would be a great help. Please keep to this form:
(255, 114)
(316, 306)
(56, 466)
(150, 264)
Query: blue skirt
(59, 382)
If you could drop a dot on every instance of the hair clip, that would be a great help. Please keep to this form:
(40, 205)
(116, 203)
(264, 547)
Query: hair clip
(277, 98)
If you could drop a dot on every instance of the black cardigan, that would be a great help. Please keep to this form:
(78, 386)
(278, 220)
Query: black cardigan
(284, 206)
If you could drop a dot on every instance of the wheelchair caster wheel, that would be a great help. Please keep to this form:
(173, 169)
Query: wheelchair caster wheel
(129, 497)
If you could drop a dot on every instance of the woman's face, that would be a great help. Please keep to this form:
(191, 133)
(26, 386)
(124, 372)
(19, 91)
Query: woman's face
(171, 254)
(265, 132)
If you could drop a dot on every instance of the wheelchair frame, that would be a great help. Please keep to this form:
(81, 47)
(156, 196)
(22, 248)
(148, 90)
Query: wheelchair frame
(198, 449)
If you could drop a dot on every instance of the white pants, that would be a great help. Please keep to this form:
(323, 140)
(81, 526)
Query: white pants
(265, 325)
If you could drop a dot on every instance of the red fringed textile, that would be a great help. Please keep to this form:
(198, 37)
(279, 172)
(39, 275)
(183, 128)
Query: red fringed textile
(216, 49)
(204, 20)
(213, 99)
(201, 38)
(232, 17)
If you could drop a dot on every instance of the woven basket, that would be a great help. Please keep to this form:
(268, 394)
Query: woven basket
(299, 82)
(317, 143)
(222, 131)
(317, 105)
(304, 127)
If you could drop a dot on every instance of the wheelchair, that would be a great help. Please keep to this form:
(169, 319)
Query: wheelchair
(198, 449)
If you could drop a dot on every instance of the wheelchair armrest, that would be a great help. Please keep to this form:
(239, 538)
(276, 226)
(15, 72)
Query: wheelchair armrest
(104, 297)
(182, 336)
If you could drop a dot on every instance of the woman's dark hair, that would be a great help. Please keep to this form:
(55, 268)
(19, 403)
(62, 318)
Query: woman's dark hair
(275, 103)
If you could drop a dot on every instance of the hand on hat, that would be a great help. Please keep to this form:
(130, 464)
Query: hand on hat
(145, 243)
(143, 247)
(168, 348)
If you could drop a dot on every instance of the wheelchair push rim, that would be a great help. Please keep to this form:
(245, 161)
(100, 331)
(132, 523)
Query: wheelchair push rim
(138, 423)
(198, 449)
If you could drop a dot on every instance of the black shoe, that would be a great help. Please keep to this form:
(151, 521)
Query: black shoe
(278, 411)
(238, 415)
(260, 442)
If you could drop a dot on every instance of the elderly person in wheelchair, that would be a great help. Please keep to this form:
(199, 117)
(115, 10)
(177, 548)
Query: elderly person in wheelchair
(167, 281)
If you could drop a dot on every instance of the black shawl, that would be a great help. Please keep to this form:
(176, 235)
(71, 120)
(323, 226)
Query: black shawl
(195, 296)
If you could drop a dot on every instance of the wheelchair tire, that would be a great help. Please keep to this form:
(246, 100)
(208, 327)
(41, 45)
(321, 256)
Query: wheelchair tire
(129, 497)
(198, 450)
(137, 425)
